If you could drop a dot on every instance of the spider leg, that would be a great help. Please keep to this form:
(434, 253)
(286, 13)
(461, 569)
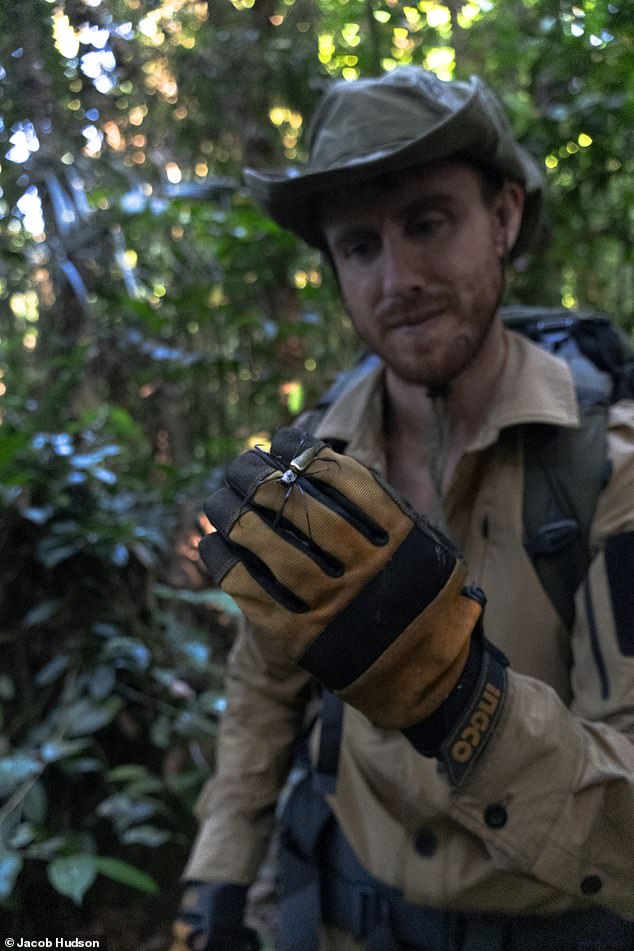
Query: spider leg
(280, 512)
(271, 477)
(328, 464)
(310, 534)
(298, 447)
(287, 495)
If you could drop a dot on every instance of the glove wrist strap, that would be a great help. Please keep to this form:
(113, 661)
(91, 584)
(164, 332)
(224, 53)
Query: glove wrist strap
(458, 732)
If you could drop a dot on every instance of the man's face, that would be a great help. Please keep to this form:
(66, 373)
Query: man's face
(419, 261)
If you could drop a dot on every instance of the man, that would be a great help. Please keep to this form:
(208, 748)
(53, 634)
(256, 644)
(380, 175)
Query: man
(478, 805)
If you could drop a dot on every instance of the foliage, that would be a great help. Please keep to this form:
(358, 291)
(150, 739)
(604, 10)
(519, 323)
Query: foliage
(110, 691)
(152, 322)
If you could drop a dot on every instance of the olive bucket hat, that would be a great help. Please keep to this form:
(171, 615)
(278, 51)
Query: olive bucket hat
(407, 117)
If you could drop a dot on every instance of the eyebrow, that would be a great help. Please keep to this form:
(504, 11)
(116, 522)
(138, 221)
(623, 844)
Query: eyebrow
(347, 233)
(442, 198)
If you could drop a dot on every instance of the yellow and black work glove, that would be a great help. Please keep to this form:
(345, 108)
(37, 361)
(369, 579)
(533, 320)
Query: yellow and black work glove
(329, 562)
(210, 919)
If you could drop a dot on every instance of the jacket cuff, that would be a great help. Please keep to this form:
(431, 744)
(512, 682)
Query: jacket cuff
(219, 906)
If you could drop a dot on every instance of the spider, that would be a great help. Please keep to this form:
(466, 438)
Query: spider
(290, 476)
(299, 464)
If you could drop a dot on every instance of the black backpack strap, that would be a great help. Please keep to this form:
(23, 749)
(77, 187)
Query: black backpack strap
(331, 716)
(304, 822)
(566, 469)
(564, 472)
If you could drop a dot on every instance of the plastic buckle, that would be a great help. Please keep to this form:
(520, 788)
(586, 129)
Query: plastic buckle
(369, 907)
(552, 537)
(554, 332)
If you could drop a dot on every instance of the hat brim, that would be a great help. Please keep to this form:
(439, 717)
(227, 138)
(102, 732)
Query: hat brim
(291, 197)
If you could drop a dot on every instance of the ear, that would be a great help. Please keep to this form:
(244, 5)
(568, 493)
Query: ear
(508, 210)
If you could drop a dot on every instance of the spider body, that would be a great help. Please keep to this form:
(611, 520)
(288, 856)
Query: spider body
(299, 464)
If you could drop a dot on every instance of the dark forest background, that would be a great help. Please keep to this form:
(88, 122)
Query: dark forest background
(153, 323)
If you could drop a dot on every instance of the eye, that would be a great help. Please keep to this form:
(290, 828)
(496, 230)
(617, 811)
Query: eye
(428, 225)
(361, 250)
(359, 246)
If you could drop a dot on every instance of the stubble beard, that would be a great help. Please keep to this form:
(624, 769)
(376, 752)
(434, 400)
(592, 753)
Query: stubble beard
(439, 364)
(443, 361)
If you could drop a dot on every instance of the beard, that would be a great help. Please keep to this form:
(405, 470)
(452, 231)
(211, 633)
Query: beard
(431, 339)
(437, 350)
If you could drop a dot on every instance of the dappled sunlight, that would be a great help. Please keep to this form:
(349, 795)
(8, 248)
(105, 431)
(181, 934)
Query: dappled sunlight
(24, 142)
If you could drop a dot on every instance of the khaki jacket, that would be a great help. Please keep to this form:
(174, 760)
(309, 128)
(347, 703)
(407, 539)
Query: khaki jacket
(545, 822)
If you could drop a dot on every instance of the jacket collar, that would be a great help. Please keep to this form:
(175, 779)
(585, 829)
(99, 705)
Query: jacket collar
(535, 387)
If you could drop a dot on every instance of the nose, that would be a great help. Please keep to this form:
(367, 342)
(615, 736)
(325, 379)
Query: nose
(402, 267)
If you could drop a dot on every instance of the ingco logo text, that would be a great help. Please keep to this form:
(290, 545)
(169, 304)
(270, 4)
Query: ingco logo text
(480, 721)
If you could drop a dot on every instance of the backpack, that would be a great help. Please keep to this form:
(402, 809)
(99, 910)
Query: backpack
(558, 506)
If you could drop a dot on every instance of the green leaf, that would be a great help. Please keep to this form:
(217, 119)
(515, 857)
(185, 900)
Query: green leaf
(92, 459)
(51, 671)
(22, 836)
(39, 515)
(7, 688)
(214, 701)
(53, 750)
(123, 422)
(125, 811)
(42, 612)
(17, 769)
(35, 803)
(47, 849)
(106, 630)
(126, 773)
(161, 732)
(85, 717)
(84, 764)
(145, 835)
(126, 874)
(128, 652)
(296, 400)
(102, 682)
(72, 875)
(10, 867)
(214, 598)
(10, 446)
(51, 554)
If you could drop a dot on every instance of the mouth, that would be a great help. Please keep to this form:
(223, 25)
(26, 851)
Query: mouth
(412, 321)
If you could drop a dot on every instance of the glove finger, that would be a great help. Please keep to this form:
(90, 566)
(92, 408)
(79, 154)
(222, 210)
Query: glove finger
(255, 479)
(282, 560)
(326, 514)
(217, 556)
(340, 482)
(289, 443)
(249, 470)
(287, 513)
(299, 568)
(360, 490)
(283, 573)
(223, 508)
(309, 458)
(266, 558)
(334, 532)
